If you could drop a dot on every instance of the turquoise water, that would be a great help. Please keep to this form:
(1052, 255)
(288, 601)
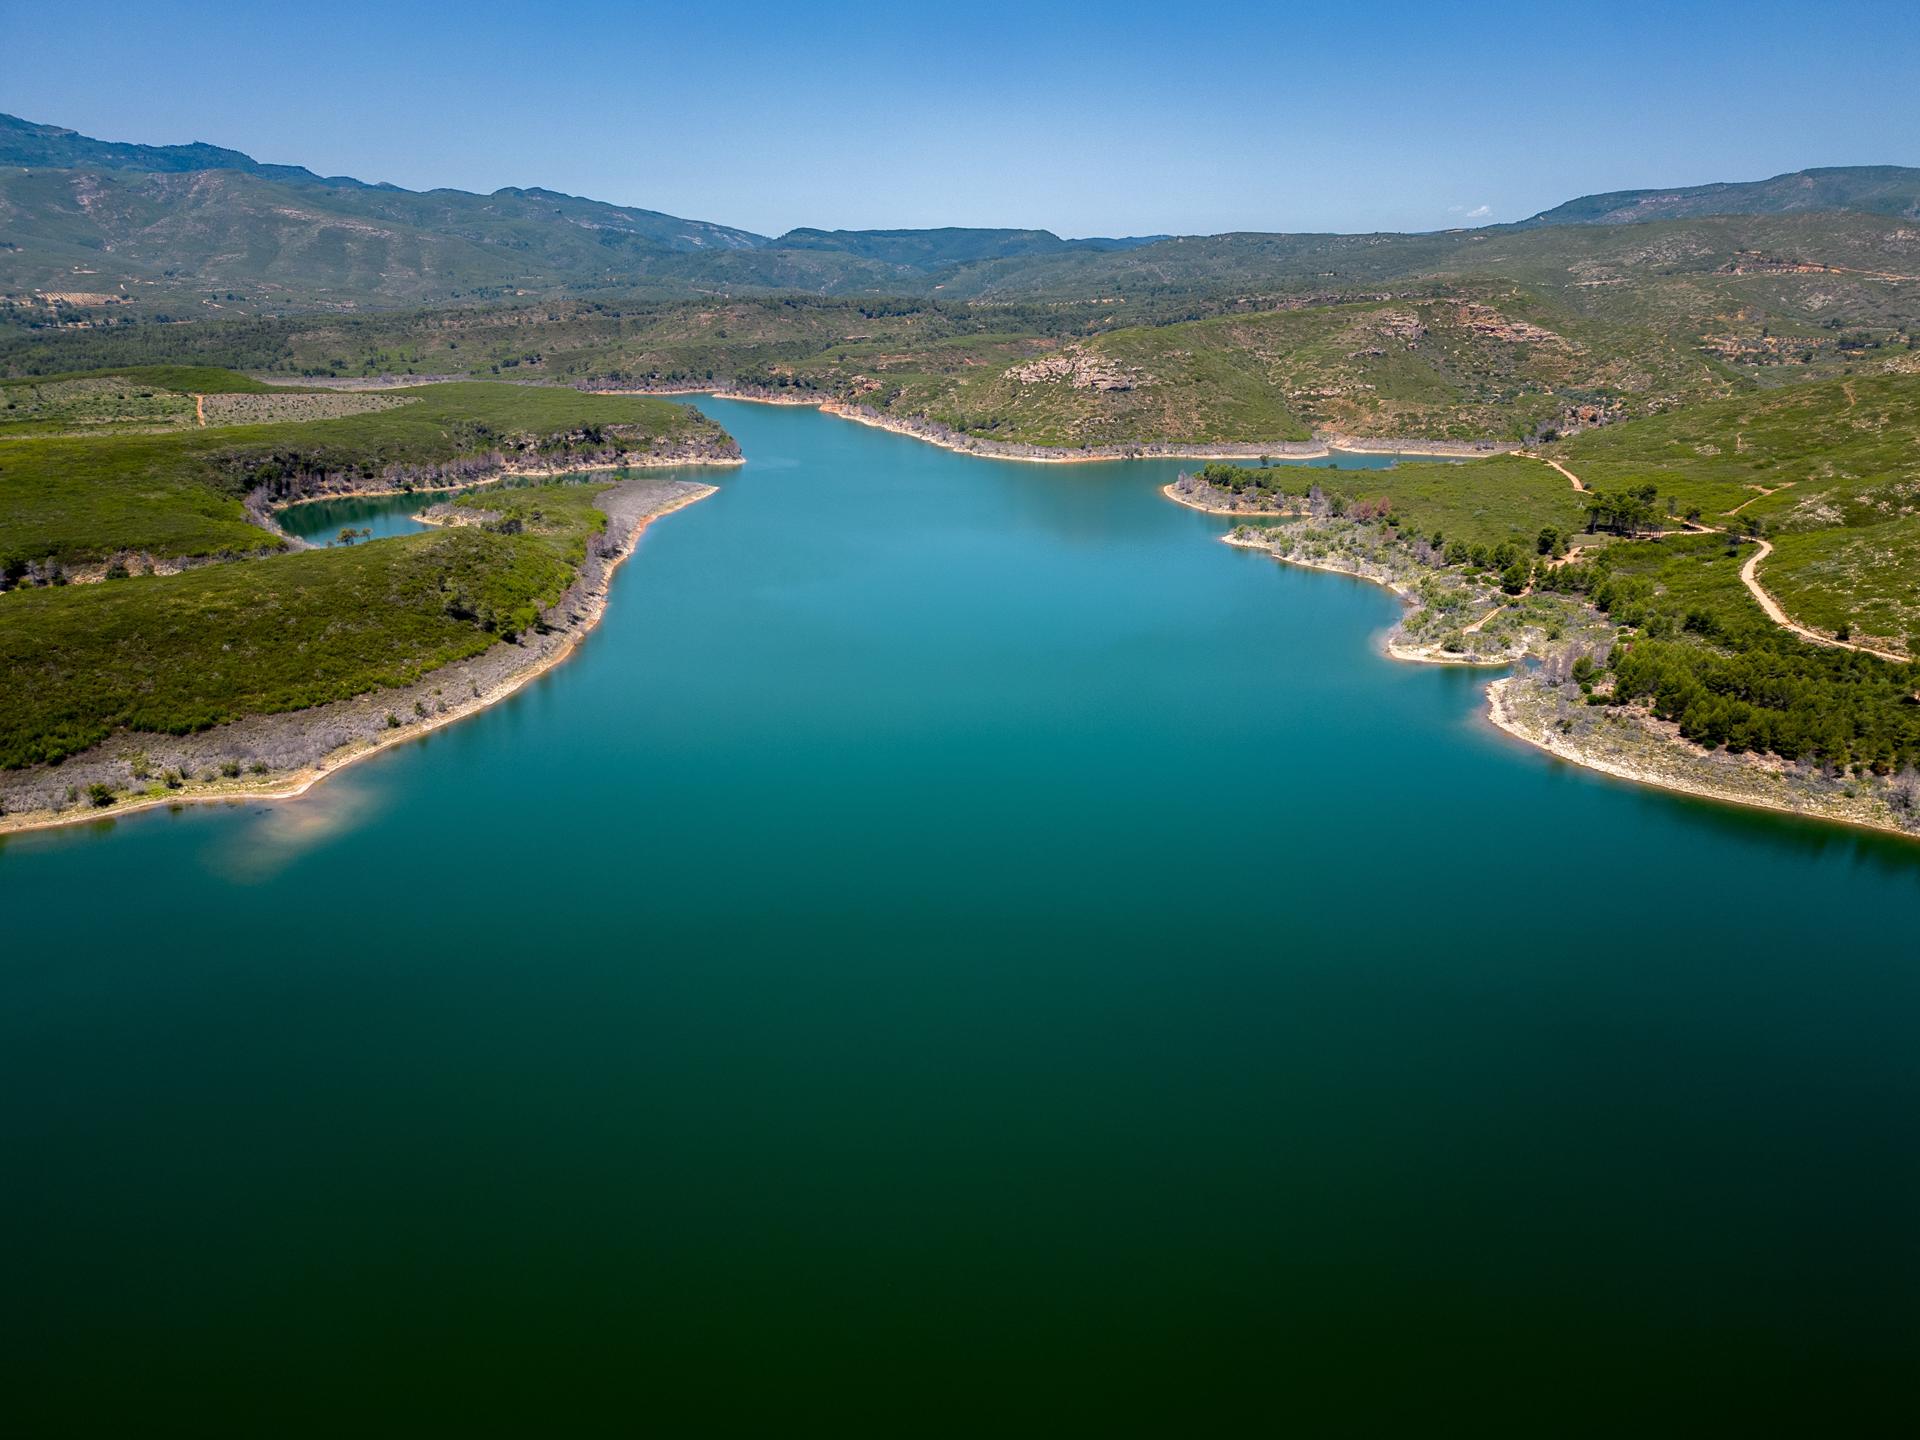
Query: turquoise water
(321, 520)
(958, 948)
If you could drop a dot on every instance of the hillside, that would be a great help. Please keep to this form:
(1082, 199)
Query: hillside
(1830, 472)
(95, 230)
(1875, 189)
(48, 147)
(143, 586)
(1014, 335)
(96, 233)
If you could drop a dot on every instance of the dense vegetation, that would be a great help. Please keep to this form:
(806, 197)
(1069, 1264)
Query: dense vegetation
(77, 499)
(180, 653)
(1841, 477)
(1704, 656)
(1462, 507)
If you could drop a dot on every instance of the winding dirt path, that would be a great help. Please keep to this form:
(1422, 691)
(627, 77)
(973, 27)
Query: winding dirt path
(1764, 493)
(1750, 577)
(200, 411)
(1571, 477)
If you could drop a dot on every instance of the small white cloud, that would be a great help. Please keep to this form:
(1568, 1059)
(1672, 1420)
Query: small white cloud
(1479, 212)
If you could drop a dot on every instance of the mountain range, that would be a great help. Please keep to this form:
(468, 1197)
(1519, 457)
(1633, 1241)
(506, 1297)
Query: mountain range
(91, 227)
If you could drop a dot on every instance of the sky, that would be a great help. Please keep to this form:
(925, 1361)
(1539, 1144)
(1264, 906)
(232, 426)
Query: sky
(1112, 118)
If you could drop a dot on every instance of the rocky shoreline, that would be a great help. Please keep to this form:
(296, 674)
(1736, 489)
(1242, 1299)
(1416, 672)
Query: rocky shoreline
(1630, 745)
(946, 437)
(1209, 501)
(528, 463)
(1541, 709)
(266, 757)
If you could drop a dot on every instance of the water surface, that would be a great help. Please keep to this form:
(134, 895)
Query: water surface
(959, 948)
(320, 521)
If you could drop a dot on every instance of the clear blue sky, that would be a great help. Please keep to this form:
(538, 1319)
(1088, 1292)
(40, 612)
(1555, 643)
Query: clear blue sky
(1086, 118)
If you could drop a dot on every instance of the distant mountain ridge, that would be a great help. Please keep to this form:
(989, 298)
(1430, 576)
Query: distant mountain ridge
(48, 146)
(91, 226)
(1870, 189)
(23, 143)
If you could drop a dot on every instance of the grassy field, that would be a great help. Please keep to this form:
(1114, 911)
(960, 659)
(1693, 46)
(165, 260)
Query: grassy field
(1865, 581)
(1482, 502)
(1830, 470)
(75, 500)
(147, 397)
(1841, 452)
(184, 652)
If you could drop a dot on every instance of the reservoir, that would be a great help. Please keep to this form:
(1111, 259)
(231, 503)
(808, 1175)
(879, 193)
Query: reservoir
(958, 947)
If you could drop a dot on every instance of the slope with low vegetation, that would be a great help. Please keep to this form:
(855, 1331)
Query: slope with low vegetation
(1658, 658)
(175, 653)
(72, 500)
(1830, 471)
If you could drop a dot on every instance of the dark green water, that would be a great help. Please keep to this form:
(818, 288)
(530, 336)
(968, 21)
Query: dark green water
(960, 949)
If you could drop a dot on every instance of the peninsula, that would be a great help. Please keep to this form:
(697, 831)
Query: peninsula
(165, 640)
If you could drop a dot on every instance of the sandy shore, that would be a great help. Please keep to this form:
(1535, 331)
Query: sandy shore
(631, 507)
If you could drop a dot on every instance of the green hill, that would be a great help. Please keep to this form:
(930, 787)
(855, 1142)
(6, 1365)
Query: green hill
(1875, 189)
(96, 232)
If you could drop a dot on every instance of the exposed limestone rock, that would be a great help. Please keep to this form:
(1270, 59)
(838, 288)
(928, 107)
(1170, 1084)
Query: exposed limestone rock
(1487, 321)
(1079, 368)
(1401, 325)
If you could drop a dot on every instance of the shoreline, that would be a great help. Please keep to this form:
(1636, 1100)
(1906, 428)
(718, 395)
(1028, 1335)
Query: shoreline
(1503, 714)
(590, 608)
(1320, 447)
(1179, 499)
(1085, 455)
(1393, 649)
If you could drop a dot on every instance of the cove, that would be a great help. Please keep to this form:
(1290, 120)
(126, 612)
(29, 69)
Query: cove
(959, 946)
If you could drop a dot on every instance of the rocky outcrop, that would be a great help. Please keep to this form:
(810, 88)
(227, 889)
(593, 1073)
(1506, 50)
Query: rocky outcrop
(1401, 325)
(1080, 368)
(1486, 321)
